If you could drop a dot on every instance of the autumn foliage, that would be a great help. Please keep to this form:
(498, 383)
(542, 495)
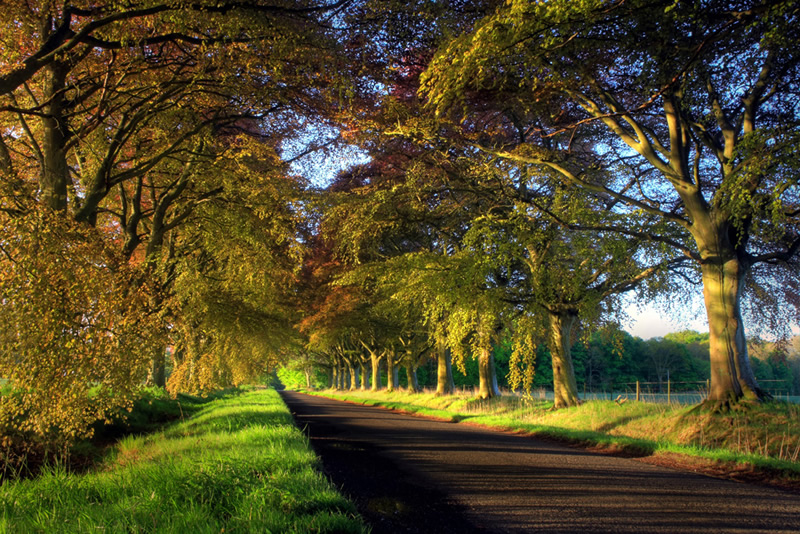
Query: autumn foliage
(74, 322)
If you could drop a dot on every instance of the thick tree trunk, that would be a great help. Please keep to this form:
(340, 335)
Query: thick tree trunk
(444, 377)
(395, 377)
(560, 340)
(732, 377)
(55, 171)
(376, 371)
(413, 383)
(723, 265)
(487, 377)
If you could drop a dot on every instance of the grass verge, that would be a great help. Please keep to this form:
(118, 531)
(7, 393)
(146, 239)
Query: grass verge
(238, 464)
(760, 442)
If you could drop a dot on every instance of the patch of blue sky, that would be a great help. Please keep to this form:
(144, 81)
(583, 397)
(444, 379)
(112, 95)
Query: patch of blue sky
(318, 153)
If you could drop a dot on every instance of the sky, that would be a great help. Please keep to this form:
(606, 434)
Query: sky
(649, 322)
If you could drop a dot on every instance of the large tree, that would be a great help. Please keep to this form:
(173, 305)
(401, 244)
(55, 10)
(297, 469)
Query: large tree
(696, 102)
(145, 128)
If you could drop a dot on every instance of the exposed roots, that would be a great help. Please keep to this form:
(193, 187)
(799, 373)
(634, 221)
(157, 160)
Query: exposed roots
(725, 406)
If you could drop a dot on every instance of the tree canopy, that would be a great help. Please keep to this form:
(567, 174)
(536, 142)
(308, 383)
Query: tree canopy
(528, 163)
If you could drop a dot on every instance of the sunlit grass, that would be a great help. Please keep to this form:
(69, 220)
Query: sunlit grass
(237, 465)
(762, 436)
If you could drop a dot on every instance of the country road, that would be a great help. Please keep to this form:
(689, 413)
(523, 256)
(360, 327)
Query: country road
(409, 474)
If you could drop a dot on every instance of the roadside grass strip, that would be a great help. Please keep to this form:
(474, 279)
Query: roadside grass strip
(237, 465)
(761, 437)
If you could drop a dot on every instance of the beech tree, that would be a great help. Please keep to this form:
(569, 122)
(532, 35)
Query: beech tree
(697, 102)
(137, 124)
(77, 354)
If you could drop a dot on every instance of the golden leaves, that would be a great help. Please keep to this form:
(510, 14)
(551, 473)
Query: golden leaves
(72, 326)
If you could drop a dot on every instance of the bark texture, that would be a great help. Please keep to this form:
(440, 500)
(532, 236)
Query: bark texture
(487, 376)
(565, 387)
(732, 376)
(55, 171)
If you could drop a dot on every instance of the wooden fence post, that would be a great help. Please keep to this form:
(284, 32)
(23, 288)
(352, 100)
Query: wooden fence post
(638, 396)
(669, 392)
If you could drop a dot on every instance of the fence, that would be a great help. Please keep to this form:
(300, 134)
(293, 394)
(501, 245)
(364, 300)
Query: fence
(669, 392)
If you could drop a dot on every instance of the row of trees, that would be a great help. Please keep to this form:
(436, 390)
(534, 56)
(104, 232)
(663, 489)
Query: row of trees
(682, 359)
(529, 164)
(533, 162)
(144, 203)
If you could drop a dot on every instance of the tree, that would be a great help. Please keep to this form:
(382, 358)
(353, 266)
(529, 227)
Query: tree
(155, 131)
(696, 101)
(76, 354)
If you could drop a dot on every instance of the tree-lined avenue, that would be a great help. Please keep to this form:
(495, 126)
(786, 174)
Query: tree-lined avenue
(472, 479)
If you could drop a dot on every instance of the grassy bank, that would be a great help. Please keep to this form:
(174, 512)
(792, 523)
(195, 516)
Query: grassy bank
(238, 464)
(762, 438)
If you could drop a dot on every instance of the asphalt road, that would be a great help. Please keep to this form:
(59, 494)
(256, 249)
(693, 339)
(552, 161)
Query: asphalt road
(409, 474)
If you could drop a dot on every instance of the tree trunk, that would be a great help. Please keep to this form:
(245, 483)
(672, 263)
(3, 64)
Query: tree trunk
(444, 376)
(493, 375)
(337, 375)
(158, 369)
(560, 340)
(487, 377)
(364, 376)
(55, 171)
(411, 374)
(731, 375)
(353, 377)
(395, 377)
(390, 372)
(376, 371)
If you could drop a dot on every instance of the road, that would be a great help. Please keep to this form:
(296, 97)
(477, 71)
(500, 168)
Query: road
(410, 474)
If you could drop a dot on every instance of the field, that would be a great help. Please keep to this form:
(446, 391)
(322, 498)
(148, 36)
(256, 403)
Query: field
(238, 464)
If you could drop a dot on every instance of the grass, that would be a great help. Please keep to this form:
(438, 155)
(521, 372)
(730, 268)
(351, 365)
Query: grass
(237, 464)
(23, 454)
(763, 438)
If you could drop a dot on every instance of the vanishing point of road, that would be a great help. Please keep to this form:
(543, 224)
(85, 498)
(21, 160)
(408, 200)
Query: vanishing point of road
(409, 474)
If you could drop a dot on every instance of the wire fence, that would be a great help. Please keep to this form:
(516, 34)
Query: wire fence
(669, 392)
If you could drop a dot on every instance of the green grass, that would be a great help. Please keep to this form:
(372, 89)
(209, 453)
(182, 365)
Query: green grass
(238, 464)
(762, 437)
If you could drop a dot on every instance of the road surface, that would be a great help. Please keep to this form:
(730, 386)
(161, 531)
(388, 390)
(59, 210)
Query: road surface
(410, 474)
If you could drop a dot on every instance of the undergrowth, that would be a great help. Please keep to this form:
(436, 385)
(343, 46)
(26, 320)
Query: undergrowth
(24, 454)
